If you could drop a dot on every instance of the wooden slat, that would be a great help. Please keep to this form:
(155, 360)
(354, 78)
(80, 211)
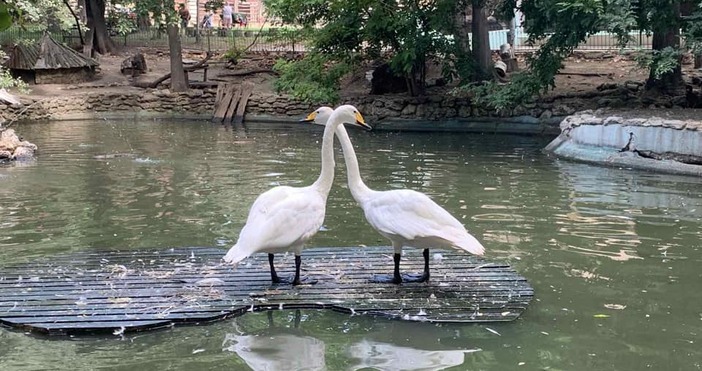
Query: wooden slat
(93, 292)
(232, 107)
(247, 89)
(224, 103)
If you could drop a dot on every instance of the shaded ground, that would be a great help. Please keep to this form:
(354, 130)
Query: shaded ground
(581, 74)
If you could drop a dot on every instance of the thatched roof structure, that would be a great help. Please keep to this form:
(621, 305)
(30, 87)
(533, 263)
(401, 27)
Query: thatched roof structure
(48, 54)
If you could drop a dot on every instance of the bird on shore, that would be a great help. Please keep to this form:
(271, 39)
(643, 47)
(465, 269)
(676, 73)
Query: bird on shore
(405, 217)
(284, 218)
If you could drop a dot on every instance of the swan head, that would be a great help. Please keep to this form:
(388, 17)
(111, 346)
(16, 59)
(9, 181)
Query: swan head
(348, 113)
(320, 116)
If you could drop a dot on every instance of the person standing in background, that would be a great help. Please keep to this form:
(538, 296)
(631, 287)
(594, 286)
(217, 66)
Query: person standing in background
(184, 15)
(227, 13)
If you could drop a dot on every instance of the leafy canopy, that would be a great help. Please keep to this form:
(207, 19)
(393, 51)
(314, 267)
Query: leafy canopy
(565, 24)
(404, 33)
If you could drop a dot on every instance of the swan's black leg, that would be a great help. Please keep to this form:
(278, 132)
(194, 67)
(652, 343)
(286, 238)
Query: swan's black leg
(424, 277)
(396, 277)
(298, 262)
(295, 280)
(274, 275)
(301, 280)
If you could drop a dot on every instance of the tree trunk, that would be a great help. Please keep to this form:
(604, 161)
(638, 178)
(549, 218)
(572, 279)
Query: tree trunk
(481, 42)
(143, 22)
(178, 80)
(462, 32)
(663, 37)
(95, 11)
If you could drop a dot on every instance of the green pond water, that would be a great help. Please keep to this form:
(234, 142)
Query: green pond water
(613, 254)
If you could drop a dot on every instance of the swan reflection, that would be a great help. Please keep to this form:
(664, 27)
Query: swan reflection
(389, 357)
(277, 348)
(287, 346)
(278, 352)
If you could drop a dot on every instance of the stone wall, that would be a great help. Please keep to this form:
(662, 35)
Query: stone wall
(386, 110)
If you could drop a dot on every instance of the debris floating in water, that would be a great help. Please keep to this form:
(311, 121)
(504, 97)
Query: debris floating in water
(119, 331)
(493, 331)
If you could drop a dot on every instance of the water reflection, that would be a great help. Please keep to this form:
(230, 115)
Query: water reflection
(589, 239)
(297, 341)
(389, 357)
(277, 348)
(610, 212)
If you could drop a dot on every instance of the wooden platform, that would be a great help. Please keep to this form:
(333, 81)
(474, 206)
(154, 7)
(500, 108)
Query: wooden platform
(123, 291)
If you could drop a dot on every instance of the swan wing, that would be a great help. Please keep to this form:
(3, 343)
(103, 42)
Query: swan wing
(280, 218)
(413, 216)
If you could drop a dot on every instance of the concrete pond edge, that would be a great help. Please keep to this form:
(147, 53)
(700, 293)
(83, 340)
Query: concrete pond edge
(667, 145)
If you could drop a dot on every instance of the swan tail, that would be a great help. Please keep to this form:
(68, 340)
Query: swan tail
(471, 244)
(235, 255)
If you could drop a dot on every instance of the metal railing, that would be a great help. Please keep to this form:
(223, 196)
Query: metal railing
(266, 40)
(269, 40)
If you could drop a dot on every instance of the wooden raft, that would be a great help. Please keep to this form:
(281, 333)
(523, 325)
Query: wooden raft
(125, 291)
(230, 102)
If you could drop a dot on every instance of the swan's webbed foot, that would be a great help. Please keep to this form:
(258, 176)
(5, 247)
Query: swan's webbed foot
(305, 280)
(415, 277)
(289, 279)
(386, 278)
(396, 278)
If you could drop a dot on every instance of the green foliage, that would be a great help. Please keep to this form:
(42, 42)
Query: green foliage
(565, 24)
(233, 54)
(8, 81)
(121, 21)
(5, 17)
(692, 31)
(39, 11)
(405, 33)
(163, 11)
(290, 35)
(660, 62)
(312, 79)
(214, 4)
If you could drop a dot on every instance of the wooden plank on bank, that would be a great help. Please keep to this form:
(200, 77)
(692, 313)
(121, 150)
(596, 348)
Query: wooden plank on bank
(125, 291)
(247, 90)
(223, 106)
(232, 107)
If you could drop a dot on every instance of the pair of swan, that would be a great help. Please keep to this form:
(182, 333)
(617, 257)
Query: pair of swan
(284, 218)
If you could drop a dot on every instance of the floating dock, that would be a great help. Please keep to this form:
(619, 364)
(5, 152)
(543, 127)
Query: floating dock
(127, 291)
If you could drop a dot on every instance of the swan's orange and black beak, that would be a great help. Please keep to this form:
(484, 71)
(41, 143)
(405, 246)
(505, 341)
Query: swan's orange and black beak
(362, 122)
(310, 117)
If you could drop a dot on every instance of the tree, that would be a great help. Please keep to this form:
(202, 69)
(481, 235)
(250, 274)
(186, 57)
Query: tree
(97, 34)
(482, 55)
(564, 25)
(404, 33)
(165, 11)
(662, 18)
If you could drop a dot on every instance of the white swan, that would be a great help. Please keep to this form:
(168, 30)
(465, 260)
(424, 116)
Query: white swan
(405, 217)
(284, 218)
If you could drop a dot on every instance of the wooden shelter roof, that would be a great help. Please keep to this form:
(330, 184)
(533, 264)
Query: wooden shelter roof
(47, 54)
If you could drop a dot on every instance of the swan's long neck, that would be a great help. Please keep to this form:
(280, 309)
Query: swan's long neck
(359, 190)
(326, 176)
